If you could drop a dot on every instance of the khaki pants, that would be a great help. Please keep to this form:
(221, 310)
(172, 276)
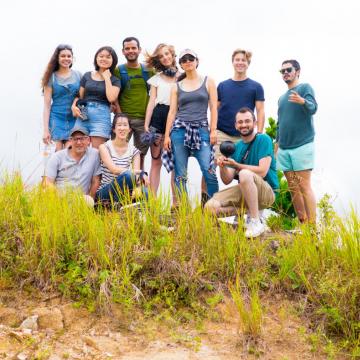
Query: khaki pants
(233, 196)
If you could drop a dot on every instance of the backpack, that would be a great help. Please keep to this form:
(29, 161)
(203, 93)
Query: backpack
(125, 77)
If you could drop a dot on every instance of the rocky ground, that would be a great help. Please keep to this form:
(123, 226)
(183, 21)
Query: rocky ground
(48, 327)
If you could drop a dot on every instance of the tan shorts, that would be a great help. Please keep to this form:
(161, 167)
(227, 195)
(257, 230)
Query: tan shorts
(221, 136)
(137, 127)
(232, 196)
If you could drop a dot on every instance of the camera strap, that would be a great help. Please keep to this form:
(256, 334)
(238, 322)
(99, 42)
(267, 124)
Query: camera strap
(247, 152)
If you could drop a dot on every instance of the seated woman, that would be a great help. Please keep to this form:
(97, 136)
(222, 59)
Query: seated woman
(120, 165)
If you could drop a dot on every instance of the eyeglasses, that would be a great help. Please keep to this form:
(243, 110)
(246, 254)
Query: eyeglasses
(187, 58)
(286, 70)
(64, 47)
(79, 138)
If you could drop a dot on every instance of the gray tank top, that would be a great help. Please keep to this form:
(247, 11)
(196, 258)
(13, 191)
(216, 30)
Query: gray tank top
(193, 105)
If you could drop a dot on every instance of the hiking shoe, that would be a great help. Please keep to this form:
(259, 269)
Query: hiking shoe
(254, 228)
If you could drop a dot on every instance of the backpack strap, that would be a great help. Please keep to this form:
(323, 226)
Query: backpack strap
(124, 76)
(145, 75)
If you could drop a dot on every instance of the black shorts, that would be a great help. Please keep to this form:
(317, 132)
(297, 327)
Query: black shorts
(159, 116)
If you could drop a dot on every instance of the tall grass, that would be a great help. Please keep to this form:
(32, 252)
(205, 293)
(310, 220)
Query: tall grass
(56, 242)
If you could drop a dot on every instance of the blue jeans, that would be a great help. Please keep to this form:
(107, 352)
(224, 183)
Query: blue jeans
(99, 120)
(116, 190)
(203, 156)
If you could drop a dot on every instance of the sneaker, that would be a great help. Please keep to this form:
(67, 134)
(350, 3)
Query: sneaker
(254, 228)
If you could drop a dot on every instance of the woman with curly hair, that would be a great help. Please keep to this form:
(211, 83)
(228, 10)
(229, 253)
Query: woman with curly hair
(163, 60)
(60, 85)
(98, 89)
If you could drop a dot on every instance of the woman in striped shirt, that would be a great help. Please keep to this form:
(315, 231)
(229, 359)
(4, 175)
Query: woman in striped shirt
(120, 164)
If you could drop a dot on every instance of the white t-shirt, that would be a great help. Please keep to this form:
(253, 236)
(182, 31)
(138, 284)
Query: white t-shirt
(163, 88)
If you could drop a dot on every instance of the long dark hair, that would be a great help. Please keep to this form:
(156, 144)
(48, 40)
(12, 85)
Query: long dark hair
(53, 64)
(114, 57)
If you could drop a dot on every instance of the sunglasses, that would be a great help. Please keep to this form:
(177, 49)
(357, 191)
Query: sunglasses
(64, 47)
(187, 58)
(286, 70)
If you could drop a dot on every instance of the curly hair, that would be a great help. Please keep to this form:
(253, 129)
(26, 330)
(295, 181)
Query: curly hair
(53, 64)
(153, 60)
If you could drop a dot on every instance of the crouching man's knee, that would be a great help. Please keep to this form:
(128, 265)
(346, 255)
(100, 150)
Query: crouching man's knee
(213, 206)
(246, 176)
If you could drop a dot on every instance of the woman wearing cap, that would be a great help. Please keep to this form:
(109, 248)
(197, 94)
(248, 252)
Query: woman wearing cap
(60, 85)
(98, 89)
(164, 63)
(187, 129)
(120, 165)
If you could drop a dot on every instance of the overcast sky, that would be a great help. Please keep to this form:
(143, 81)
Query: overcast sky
(322, 35)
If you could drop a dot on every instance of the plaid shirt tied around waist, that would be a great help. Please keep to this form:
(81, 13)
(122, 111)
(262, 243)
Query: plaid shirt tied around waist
(192, 140)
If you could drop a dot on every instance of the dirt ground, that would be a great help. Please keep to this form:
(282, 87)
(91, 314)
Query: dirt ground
(57, 329)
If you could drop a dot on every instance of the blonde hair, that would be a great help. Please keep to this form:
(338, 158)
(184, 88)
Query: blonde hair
(153, 60)
(248, 54)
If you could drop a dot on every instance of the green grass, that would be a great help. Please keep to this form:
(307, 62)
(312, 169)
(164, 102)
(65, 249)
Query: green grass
(55, 242)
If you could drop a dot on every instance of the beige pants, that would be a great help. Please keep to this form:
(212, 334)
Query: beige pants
(233, 196)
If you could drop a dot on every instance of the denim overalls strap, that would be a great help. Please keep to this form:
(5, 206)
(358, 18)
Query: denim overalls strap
(63, 94)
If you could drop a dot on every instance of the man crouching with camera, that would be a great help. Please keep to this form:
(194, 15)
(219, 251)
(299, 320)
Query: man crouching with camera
(254, 162)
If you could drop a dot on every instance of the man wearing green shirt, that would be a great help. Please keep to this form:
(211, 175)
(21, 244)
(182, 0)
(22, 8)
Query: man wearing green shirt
(295, 140)
(134, 94)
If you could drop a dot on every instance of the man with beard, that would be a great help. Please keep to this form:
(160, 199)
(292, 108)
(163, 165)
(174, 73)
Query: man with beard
(254, 162)
(77, 166)
(295, 140)
(134, 93)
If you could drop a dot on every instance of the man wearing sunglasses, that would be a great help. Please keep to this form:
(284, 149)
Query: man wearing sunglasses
(295, 140)
(77, 166)
(134, 93)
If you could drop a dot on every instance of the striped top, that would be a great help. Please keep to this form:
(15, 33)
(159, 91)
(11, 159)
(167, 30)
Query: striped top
(125, 161)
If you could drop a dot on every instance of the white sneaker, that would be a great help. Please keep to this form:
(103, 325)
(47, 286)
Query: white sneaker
(254, 228)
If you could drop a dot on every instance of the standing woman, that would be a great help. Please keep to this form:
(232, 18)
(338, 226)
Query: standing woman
(60, 85)
(187, 121)
(98, 89)
(120, 164)
(164, 62)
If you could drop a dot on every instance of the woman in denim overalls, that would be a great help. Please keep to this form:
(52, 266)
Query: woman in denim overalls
(60, 87)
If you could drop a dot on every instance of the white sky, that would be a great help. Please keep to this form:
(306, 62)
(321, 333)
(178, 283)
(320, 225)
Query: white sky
(322, 35)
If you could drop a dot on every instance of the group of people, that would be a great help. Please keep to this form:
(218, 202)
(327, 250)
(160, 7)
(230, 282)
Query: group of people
(166, 109)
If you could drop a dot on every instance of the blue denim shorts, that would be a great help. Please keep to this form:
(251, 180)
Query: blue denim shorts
(99, 120)
(297, 159)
